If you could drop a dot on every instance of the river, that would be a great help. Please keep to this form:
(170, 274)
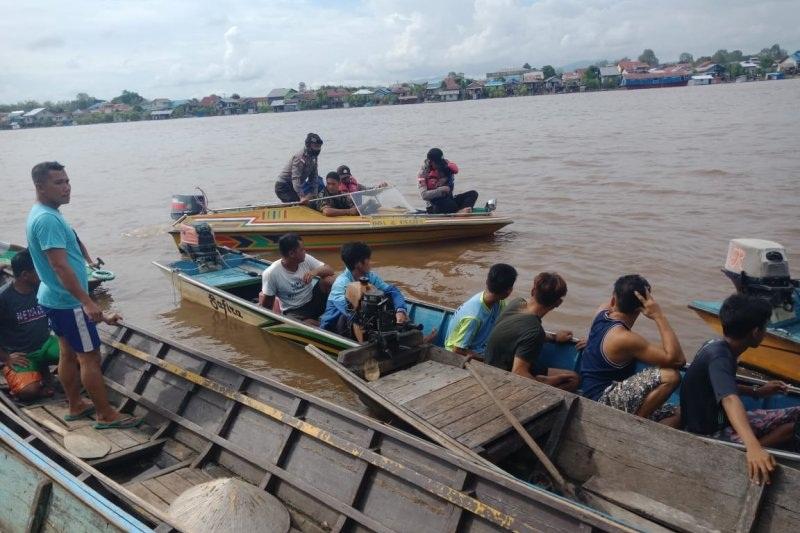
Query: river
(599, 185)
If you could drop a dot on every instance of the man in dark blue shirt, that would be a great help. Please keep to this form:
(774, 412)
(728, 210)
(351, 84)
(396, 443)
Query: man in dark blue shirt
(710, 403)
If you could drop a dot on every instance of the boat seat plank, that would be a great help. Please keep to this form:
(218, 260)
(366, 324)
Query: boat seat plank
(438, 402)
(525, 413)
(465, 409)
(401, 378)
(488, 412)
(423, 381)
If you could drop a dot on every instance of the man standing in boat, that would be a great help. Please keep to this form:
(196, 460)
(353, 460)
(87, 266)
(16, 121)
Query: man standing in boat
(26, 347)
(299, 181)
(710, 397)
(474, 320)
(340, 313)
(608, 365)
(518, 337)
(301, 282)
(64, 297)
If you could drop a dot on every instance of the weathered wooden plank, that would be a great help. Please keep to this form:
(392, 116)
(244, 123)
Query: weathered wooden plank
(147, 495)
(120, 437)
(195, 476)
(420, 384)
(179, 451)
(750, 507)
(45, 419)
(175, 482)
(160, 490)
(441, 394)
(601, 504)
(491, 430)
(60, 410)
(650, 508)
(487, 411)
(477, 403)
(128, 454)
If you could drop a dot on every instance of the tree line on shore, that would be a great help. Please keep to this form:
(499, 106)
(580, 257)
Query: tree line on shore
(136, 107)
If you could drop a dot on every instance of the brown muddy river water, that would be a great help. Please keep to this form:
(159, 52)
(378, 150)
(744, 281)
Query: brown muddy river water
(599, 185)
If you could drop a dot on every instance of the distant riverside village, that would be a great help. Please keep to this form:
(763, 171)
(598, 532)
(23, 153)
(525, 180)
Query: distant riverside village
(645, 72)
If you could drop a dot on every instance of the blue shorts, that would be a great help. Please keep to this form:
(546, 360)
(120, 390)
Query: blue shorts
(74, 325)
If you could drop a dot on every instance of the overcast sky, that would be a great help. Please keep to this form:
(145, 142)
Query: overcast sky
(53, 49)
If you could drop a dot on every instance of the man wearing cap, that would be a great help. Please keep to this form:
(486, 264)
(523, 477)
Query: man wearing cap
(348, 182)
(299, 181)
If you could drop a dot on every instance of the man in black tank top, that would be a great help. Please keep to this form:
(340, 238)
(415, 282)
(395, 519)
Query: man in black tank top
(608, 364)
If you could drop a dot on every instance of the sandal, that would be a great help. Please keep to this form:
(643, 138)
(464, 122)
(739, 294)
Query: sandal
(122, 423)
(86, 413)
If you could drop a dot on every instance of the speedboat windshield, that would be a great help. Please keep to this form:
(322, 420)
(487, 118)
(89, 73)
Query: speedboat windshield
(384, 201)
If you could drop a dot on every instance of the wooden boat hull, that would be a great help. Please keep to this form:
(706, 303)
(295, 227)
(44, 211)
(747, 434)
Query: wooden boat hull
(333, 469)
(634, 469)
(778, 354)
(43, 491)
(258, 230)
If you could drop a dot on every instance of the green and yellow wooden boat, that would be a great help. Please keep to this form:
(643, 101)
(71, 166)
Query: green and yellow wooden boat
(385, 219)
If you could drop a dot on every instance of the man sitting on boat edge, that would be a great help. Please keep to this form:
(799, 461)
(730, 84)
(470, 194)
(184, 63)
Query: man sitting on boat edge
(474, 320)
(27, 349)
(293, 281)
(710, 397)
(339, 314)
(608, 365)
(517, 339)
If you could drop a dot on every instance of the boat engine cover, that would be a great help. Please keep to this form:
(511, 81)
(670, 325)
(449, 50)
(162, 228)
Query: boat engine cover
(761, 268)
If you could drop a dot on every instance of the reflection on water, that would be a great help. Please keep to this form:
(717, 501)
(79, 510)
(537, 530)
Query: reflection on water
(598, 185)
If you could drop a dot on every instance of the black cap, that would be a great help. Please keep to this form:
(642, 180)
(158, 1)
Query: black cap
(343, 170)
(313, 138)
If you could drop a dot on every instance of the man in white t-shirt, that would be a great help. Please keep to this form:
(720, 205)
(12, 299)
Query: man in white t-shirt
(300, 281)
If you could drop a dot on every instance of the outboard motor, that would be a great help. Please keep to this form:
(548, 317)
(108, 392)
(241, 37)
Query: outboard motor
(376, 316)
(761, 268)
(188, 204)
(197, 243)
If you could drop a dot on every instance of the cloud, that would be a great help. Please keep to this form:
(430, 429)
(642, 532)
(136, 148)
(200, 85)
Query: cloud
(46, 43)
(184, 48)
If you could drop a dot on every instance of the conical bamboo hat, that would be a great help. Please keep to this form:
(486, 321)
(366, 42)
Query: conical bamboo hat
(229, 505)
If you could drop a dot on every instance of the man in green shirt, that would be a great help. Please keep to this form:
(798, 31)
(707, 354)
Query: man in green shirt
(517, 339)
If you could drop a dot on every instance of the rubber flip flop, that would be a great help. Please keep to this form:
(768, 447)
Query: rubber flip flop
(83, 414)
(122, 423)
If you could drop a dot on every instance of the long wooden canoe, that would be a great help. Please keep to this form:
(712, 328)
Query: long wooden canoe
(629, 467)
(332, 469)
(257, 229)
(779, 352)
(43, 489)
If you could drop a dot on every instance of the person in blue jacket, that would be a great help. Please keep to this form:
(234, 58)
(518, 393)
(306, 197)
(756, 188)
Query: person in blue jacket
(339, 311)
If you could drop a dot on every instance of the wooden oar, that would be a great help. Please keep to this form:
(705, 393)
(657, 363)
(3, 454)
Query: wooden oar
(561, 483)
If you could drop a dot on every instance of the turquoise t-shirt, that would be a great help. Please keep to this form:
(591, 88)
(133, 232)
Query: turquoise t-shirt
(472, 323)
(47, 229)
